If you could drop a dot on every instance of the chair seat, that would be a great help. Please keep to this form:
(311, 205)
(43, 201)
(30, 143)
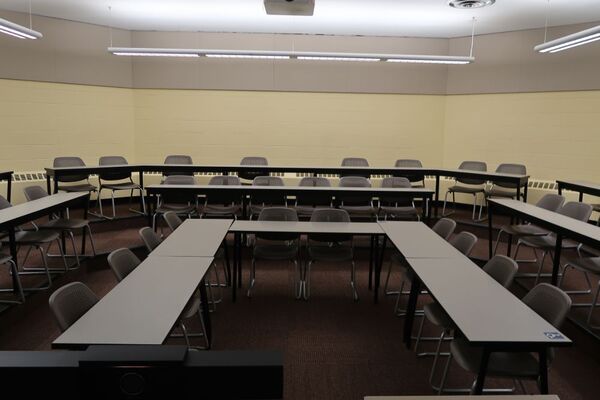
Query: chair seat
(360, 210)
(519, 364)
(330, 253)
(466, 189)
(587, 264)
(497, 192)
(437, 316)
(33, 237)
(220, 209)
(275, 251)
(84, 187)
(407, 211)
(120, 186)
(524, 230)
(547, 242)
(178, 208)
(64, 223)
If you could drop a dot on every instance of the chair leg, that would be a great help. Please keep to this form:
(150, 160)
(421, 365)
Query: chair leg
(99, 200)
(297, 280)
(437, 357)
(89, 229)
(307, 280)
(541, 266)
(444, 375)
(352, 281)
(185, 334)
(474, 206)
(419, 333)
(252, 278)
(114, 208)
(593, 305)
(497, 241)
(444, 206)
(387, 279)
(14, 272)
(74, 249)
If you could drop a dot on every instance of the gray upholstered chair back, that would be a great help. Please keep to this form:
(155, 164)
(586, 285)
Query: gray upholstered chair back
(70, 302)
(550, 302)
(395, 182)
(34, 192)
(395, 199)
(278, 214)
(178, 159)
(313, 198)
(150, 238)
(551, 202)
(514, 169)
(225, 180)
(62, 162)
(314, 181)
(354, 181)
(113, 160)
(172, 220)
(444, 227)
(254, 161)
(409, 163)
(122, 262)
(268, 181)
(355, 162)
(503, 269)
(4, 203)
(179, 180)
(464, 242)
(576, 210)
(472, 166)
(330, 215)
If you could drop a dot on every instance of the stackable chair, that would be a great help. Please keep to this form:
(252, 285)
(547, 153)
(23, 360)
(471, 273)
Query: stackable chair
(65, 225)
(397, 207)
(501, 268)
(178, 159)
(547, 243)
(112, 183)
(473, 186)
(181, 204)
(550, 202)
(277, 246)
(587, 266)
(6, 259)
(69, 302)
(259, 201)
(464, 242)
(358, 206)
(330, 247)
(416, 179)
(306, 204)
(355, 162)
(223, 204)
(122, 262)
(150, 238)
(84, 184)
(250, 175)
(506, 189)
(550, 303)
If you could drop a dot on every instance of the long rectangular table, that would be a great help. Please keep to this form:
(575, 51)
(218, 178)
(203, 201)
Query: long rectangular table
(371, 229)
(7, 176)
(562, 226)
(516, 397)
(582, 187)
(144, 307)
(195, 238)
(417, 240)
(12, 217)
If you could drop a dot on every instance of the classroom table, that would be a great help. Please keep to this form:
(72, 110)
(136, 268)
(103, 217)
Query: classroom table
(371, 229)
(195, 238)
(579, 186)
(484, 312)
(562, 226)
(513, 397)
(144, 307)
(12, 217)
(7, 176)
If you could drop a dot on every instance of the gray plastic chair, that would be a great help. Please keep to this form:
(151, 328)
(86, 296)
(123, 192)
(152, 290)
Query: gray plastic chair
(550, 202)
(259, 201)
(62, 162)
(180, 203)
(150, 238)
(547, 243)
(550, 303)
(178, 159)
(397, 207)
(306, 204)
(475, 186)
(330, 247)
(355, 162)
(444, 227)
(172, 219)
(6, 259)
(277, 246)
(585, 265)
(412, 177)
(503, 189)
(464, 242)
(55, 223)
(501, 268)
(123, 262)
(70, 302)
(110, 183)
(357, 205)
(250, 175)
(222, 204)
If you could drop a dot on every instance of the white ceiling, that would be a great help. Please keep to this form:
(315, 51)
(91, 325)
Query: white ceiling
(421, 18)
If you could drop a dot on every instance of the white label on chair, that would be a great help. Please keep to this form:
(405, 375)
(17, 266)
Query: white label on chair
(554, 335)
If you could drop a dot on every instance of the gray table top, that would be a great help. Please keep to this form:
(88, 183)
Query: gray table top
(587, 184)
(353, 228)
(417, 240)
(497, 397)
(23, 210)
(484, 311)
(333, 189)
(141, 309)
(194, 238)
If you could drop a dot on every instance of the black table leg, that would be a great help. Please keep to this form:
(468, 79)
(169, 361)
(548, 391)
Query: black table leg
(490, 231)
(239, 266)
(509, 245)
(525, 191)
(9, 188)
(559, 189)
(86, 205)
(142, 195)
(205, 313)
(13, 253)
(48, 184)
(236, 244)
(556, 261)
(485, 357)
(580, 197)
(55, 185)
(437, 194)
(378, 265)
(151, 207)
(415, 289)
(227, 263)
(371, 262)
(543, 361)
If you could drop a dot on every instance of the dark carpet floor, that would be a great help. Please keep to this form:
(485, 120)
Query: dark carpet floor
(334, 348)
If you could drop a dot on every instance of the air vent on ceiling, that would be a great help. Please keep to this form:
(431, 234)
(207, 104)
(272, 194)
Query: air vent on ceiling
(290, 7)
(470, 3)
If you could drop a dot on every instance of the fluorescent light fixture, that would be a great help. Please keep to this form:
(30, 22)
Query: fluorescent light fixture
(18, 31)
(286, 55)
(567, 42)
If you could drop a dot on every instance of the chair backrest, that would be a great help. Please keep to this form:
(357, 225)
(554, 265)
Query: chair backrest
(69, 302)
(551, 202)
(444, 227)
(178, 159)
(278, 214)
(395, 200)
(313, 199)
(355, 162)
(62, 162)
(406, 163)
(4, 203)
(503, 269)
(34, 192)
(464, 242)
(250, 175)
(472, 166)
(550, 302)
(225, 180)
(514, 169)
(576, 210)
(150, 238)
(113, 176)
(330, 215)
(178, 197)
(172, 220)
(223, 197)
(267, 197)
(356, 199)
(122, 262)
